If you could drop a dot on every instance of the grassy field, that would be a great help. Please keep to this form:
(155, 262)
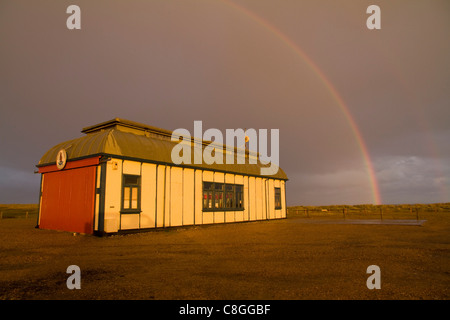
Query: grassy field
(287, 259)
(8, 211)
(400, 211)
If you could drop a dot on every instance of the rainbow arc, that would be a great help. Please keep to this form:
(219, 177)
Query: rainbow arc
(328, 85)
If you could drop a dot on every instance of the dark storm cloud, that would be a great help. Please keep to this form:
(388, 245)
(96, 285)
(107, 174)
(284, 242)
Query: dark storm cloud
(168, 63)
(413, 179)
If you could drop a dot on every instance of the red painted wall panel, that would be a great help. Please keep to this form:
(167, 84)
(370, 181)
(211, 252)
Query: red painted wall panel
(68, 200)
(72, 165)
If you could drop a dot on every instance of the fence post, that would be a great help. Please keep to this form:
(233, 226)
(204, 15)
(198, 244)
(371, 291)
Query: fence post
(1, 215)
(26, 216)
(417, 214)
(381, 213)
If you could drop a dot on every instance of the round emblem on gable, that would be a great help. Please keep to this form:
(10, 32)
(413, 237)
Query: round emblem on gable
(61, 159)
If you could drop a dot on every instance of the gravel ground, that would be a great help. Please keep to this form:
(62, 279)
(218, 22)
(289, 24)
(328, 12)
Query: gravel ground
(284, 259)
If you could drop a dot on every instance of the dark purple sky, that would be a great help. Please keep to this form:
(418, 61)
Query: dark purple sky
(239, 65)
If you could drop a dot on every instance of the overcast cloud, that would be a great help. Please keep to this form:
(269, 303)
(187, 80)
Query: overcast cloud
(233, 64)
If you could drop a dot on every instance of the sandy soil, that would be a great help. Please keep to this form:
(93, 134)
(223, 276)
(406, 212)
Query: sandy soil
(282, 259)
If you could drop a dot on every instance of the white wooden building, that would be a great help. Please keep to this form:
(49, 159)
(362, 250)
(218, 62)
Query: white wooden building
(119, 177)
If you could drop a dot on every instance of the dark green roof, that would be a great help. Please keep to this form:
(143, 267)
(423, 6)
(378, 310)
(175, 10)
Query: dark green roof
(131, 140)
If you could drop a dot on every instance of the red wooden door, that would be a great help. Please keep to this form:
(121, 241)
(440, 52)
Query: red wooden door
(68, 200)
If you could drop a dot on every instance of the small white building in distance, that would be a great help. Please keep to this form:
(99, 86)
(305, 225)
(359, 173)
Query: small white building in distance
(119, 177)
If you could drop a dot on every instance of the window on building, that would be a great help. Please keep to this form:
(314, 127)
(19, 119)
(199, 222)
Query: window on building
(239, 196)
(229, 196)
(208, 188)
(222, 196)
(218, 195)
(131, 194)
(277, 198)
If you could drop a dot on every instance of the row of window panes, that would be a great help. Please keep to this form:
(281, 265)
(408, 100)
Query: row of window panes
(222, 196)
